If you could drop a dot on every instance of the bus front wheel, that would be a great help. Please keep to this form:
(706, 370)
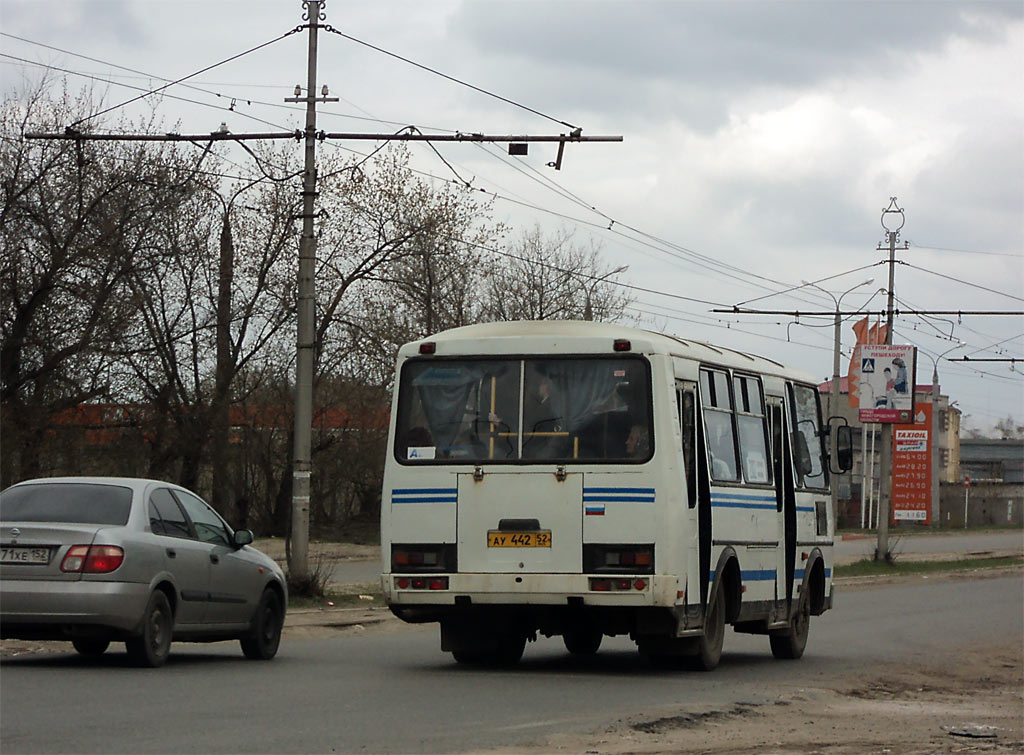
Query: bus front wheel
(709, 645)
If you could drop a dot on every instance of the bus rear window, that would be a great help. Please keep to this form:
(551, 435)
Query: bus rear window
(476, 410)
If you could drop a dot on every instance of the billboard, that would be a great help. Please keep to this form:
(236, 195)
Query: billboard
(912, 468)
(885, 382)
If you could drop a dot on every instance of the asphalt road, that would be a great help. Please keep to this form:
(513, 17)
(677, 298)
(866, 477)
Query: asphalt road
(399, 693)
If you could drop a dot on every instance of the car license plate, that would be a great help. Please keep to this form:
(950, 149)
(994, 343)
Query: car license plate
(536, 539)
(24, 555)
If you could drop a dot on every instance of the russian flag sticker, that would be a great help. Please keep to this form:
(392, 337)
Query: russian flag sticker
(594, 509)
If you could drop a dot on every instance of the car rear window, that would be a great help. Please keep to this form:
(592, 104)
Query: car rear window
(78, 503)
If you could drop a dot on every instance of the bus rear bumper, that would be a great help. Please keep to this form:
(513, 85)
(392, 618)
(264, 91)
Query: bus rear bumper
(538, 589)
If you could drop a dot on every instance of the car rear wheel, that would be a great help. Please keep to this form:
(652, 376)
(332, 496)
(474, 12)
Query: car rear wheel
(262, 644)
(90, 646)
(152, 647)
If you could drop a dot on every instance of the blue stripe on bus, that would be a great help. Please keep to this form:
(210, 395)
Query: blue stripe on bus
(424, 495)
(424, 500)
(649, 491)
(807, 509)
(730, 504)
(619, 495)
(414, 491)
(755, 575)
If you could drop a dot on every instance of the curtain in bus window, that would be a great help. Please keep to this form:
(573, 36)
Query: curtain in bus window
(751, 425)
(805, 407)
(585, 408)
(455, 399)
(717, 403)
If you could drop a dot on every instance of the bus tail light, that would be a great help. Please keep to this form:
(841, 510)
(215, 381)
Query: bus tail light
(421, 583)
(420, 557)
(617, 584)
(619, 559)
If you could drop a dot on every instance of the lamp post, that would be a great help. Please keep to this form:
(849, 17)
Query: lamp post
(935, 498)
(588, 312)
(833, 394)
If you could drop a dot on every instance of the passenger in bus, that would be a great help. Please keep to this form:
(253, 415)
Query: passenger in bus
(544, 433)
(638, 443)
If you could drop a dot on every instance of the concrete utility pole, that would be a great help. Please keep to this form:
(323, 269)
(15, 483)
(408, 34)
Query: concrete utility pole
(305, 346)
(894, 215)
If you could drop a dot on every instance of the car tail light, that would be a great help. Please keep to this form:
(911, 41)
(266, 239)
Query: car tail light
(92, 559)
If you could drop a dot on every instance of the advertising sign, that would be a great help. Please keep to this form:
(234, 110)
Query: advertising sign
(886, 383)
(912, 468)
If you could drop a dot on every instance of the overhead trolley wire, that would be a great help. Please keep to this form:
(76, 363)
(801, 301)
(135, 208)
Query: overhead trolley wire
(329, 28)
(189, 76)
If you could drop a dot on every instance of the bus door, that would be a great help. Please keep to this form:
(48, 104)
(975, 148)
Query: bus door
(520, 522)
(785, 496)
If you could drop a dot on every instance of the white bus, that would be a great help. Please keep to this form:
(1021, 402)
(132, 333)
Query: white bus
(584, 479)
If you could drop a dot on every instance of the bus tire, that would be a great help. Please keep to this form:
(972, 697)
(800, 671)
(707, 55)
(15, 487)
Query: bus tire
(709, 645)
(582, 640)
(510, 649)
(788, 644)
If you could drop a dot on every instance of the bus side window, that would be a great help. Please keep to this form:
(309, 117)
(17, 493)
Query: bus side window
(688, 424)
(716, 401)
(751, 423)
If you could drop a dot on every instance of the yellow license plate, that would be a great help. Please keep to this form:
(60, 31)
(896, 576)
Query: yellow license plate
(537, 539)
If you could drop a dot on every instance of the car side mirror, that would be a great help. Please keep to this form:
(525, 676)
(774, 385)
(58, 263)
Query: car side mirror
(243, 537)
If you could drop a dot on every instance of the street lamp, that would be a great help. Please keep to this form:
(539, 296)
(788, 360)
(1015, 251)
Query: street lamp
(833, 394)
(588, 312)
(935, 424)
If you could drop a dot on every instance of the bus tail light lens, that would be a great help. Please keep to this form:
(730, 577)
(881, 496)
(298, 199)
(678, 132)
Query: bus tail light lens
(618, 584)
(423, 558)
(421, 583)
(619, 559)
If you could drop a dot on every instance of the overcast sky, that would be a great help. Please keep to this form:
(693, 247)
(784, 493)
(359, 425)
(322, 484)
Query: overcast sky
(762, 140)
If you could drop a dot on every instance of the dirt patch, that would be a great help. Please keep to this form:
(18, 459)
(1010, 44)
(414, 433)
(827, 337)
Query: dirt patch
(970, 702)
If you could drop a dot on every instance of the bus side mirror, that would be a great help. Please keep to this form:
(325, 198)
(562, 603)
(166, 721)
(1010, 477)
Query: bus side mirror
(844, 449)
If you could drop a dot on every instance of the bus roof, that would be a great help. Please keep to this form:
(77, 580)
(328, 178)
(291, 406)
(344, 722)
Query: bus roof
(582, 337)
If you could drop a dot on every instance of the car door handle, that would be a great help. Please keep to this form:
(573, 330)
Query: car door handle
(214, 558)
(171, 553)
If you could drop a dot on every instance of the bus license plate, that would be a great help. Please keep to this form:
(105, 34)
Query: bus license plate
(18, 555)
(537, 539)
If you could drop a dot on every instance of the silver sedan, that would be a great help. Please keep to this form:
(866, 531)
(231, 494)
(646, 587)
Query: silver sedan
(98, 559)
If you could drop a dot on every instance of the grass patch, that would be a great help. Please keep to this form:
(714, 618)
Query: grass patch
(350, 596)
(870, 568)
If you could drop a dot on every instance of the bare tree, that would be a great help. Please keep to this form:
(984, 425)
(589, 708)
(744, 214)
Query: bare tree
(77, 219)
(552, 278)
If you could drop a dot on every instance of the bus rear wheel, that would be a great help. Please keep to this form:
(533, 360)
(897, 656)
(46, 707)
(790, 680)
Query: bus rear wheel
(582, 640)
(788, 644)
